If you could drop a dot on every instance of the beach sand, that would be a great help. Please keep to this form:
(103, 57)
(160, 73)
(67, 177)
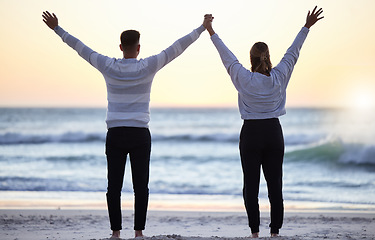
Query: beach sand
(181, 225)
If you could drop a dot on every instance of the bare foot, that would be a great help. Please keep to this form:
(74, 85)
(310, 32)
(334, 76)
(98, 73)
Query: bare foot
(138, 233)
(255, 235)
(115, 235)
(274, 235)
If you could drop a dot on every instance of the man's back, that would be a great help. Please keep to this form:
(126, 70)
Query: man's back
(128, 79)
(128, 91)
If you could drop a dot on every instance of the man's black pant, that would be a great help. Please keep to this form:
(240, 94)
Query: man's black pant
(120, 142)
(262, 144)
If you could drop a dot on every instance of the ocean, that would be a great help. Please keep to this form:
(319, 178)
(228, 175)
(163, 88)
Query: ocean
(58, 153)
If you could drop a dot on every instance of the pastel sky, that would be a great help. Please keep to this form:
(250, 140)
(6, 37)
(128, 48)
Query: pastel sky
(336, 67)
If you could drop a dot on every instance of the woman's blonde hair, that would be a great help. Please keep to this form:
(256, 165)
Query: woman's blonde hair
(260, 58)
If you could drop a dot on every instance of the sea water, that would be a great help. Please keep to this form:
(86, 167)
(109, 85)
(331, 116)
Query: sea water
(60, 153)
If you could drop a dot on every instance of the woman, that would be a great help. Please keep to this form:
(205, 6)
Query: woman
(261, 100)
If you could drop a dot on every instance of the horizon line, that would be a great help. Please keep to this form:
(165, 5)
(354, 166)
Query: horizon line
(164, 107)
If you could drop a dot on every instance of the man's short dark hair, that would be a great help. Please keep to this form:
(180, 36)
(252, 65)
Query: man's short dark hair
(129, 39)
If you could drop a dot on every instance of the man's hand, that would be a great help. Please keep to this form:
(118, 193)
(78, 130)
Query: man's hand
(312, 18)
(207, 23)
(50, 19)
(207, 20)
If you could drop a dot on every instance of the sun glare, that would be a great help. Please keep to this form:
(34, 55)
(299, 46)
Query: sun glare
(363, 100)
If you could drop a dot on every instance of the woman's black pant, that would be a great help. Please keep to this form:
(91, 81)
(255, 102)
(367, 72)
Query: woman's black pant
(262, 144)
(120, 142)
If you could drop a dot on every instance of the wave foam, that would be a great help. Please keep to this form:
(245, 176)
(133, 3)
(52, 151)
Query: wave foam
(72, 137)
(358, 154)
(335, 150)
(17, 138)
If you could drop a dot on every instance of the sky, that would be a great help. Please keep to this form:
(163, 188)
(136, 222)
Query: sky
(336, 67)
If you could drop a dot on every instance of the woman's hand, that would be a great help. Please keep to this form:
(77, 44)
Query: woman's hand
(207, 23)
(312, 18)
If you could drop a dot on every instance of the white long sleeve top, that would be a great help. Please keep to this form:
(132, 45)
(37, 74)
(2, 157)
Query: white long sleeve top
(261, 96)
(129, 80)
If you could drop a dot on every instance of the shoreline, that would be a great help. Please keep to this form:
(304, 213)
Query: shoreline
(162, 202)
(83, 215)
(181, 225)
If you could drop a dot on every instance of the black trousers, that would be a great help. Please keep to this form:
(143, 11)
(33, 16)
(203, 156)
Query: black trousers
(262, 144)
(120, 142)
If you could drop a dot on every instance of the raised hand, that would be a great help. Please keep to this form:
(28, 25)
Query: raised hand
(207, 20)
(50, 19)
(312, 18)
(207, 23)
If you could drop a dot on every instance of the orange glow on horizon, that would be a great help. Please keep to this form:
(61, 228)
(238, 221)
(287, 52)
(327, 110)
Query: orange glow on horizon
(38, 69)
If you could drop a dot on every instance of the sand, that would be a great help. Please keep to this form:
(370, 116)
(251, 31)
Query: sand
(181, 225)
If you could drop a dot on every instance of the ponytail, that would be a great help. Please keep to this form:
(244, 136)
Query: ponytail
(260, 59)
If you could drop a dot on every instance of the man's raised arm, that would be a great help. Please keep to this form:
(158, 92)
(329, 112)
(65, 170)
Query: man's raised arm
(95, 59)
(179, 46)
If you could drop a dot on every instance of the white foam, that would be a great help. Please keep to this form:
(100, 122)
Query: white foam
(358, 154)
(18, 138)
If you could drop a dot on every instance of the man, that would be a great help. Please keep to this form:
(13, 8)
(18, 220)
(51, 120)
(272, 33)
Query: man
(128, 83)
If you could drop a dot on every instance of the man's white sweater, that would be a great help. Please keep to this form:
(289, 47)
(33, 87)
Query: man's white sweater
(129, 80)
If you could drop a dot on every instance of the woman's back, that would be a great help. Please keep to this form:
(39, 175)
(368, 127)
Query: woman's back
(261, 96)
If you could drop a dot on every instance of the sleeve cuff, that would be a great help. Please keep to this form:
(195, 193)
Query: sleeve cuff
(305, 29)
(59, 31)
(201, 29)
(215, 36)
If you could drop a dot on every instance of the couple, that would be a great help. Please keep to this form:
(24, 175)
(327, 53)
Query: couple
(261, 100)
